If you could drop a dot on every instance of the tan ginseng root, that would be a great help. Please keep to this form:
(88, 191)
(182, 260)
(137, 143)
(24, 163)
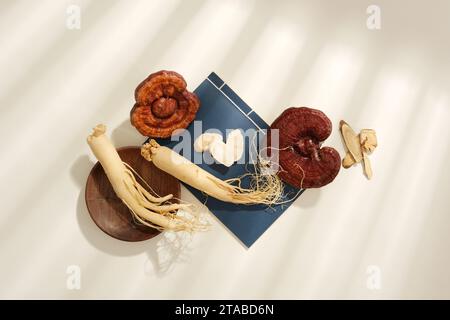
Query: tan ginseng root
(265, 189)
(153, 211)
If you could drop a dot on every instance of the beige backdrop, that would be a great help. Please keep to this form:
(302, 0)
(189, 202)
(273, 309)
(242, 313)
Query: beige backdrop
(387, 238)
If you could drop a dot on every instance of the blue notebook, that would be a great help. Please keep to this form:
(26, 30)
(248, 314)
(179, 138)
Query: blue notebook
(222, 109)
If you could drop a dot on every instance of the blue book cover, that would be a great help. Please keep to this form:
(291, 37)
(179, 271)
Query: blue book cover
(222, 109)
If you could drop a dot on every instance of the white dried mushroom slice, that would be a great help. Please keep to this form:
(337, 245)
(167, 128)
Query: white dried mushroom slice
(221, 154)
(230, 152)
(235, 142)
(203, 142)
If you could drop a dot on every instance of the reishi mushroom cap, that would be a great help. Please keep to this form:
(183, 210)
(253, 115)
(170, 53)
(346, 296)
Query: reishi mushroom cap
(163, 104)
(303, 162)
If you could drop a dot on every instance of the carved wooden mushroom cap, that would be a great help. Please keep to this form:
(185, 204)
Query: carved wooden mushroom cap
(163, 105)
(304, 162)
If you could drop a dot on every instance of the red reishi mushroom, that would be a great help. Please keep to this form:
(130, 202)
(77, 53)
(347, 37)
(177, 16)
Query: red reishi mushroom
(163, 104)
(303, 162)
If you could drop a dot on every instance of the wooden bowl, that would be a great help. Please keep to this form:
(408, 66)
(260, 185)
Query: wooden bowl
(109, 213)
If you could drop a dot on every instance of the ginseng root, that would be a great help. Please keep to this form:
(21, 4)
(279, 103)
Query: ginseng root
(151, 210)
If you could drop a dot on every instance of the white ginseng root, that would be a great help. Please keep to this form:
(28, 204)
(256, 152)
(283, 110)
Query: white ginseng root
(265, 188)
(151, 210)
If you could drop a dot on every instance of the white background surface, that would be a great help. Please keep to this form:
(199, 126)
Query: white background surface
(57, 83)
